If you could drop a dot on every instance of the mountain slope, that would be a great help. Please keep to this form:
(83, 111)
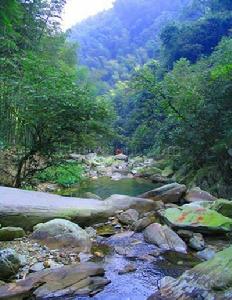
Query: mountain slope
(114, 42)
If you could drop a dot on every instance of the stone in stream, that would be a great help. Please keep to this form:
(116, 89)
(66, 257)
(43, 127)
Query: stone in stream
(208, 280)
(196, 242)
(128, 217)
(68, 281)
(198, 219)
(60, 233)
(196, 194)
(27, 208)
(164, 237)
(11, 233)
(147, 220)
(206, 254)
(9, 263)
(127, 269)
(169, 193)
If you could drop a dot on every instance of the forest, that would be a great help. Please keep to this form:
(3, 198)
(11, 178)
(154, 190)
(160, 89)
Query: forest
(167, 70)
(116, 150)
(155, 81)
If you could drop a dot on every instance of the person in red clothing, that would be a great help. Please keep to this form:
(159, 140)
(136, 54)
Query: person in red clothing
(118, 151)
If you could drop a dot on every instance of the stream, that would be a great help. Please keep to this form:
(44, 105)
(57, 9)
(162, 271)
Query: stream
(151, 266)
(105, 187)
(127, 248)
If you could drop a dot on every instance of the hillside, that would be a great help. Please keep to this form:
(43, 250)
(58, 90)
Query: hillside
(116, 41)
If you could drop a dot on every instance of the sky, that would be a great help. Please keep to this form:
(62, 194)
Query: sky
(78, 10)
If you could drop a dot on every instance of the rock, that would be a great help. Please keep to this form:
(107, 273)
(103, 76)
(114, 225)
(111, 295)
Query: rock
(89, 195)
(47, 187)
(84, 257)
(9, 264)
(77, 157)
(208, 280)
(64, 282)
(185, 234)
(197, 242)
(121, 157)
(92, 233)
(186, 260)
(11, 233)
(122, 202)
(141, 224)
(60, 233)
(167, 172)
(128, 217)
(223, 207)
(37, 267)
(27, 208)
(106, 230)
(197, 219)
(169, 193)
(148, 171)
(164, 238)
(196, 194)
(206, 254)
(116, 176)
(127, 269)
(157, 178)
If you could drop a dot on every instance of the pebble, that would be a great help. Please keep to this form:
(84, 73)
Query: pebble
(127, 269)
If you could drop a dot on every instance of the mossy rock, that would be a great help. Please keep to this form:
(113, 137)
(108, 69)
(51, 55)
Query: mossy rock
(207, 280)
(11, 233)
(149, 171)
(188, 260)
(223, 207)
(106, 230)
(167, 172)
(198, 219)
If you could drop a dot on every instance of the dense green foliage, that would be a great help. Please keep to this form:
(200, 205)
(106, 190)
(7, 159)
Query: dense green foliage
(166, 66)
(115, 42)
(64, 174)
(186, 112)
(46, 104)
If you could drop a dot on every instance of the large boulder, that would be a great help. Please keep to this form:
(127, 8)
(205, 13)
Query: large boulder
(9, 263)
(26, 208)
(164, 237)
(208, 280)
(196, 194)
(169, 193)
(223, 207)
(60, 233)
(64, 282)
(198, 219)
(11, 233)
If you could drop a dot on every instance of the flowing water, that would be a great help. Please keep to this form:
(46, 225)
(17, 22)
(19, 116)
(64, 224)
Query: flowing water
(127, 248)
(130, 248)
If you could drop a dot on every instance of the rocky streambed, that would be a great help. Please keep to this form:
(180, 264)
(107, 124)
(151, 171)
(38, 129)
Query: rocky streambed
(167, 243)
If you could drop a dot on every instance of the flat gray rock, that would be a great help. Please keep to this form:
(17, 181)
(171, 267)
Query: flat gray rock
(27, 208)
(76, 280)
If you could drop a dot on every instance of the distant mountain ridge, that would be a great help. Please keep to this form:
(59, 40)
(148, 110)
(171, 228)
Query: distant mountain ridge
(114, 42)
